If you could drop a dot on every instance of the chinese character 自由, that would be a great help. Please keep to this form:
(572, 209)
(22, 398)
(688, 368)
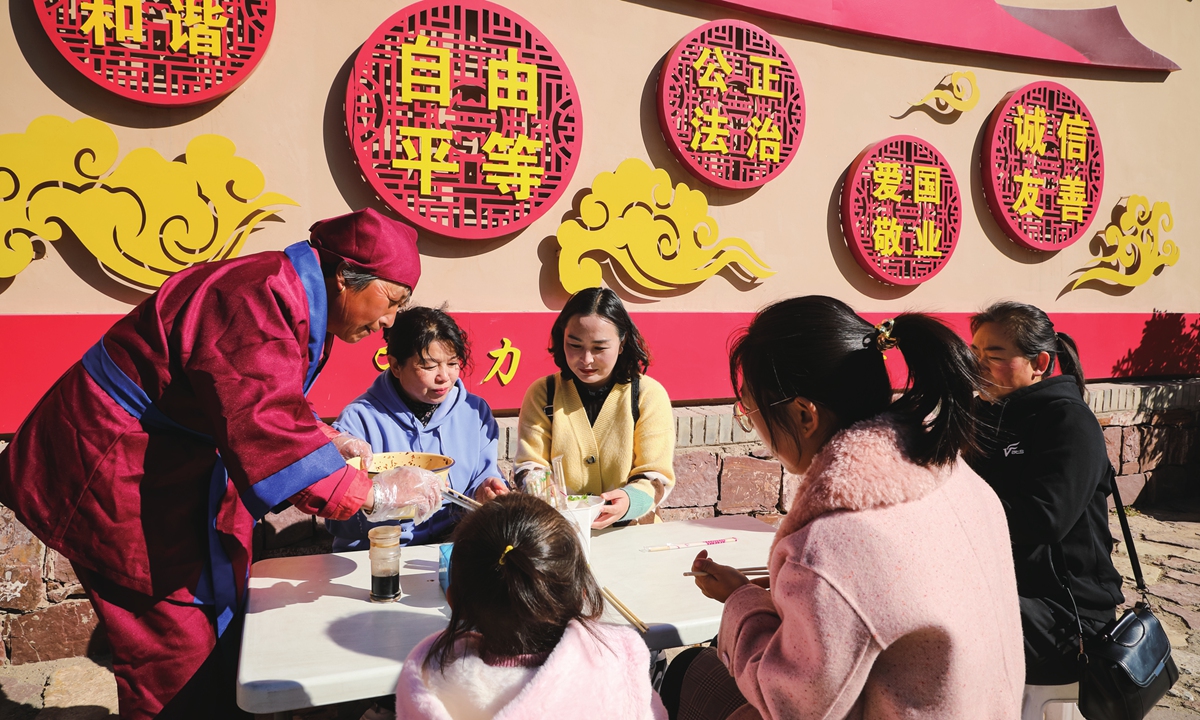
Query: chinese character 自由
(1073, 134)
(927, 184)
(886, 234)
(1031, 129)
(506, 350)
(763, 73)
(204, 25)
(1027, 198)
(1072, 198)
(424, 73)
(708, 71)
(709, 135)
(124, 18)
(765, 139)
(887, 177)
(519, 79)
(514, 165)
(929, 236)
(427, 160)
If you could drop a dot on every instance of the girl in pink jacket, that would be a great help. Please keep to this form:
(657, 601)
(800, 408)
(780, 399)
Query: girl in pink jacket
(891, 584)
(524, 641)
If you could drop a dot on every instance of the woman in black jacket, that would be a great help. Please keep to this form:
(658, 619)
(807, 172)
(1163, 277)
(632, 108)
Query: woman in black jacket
(1044, 455)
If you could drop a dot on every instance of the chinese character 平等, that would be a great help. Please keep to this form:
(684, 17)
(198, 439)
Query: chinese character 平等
(204, 23)
(887, 177)
(124, 18)
(927, 184)
(519, 79)
(709, 135)
(427, 160)
(1027, 198)
(765, 138)
(514, 164)
(929, 236)
(1031, 129)
(886, 234)
(424, 73)
(506, 350)
(1073, 134)
(708, 70)
(763, 73)
(1072, 198)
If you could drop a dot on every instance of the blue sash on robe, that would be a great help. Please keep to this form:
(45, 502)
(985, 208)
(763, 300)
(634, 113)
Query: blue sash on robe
(218, 583)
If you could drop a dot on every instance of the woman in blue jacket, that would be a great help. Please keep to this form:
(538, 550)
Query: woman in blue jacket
(420, 405)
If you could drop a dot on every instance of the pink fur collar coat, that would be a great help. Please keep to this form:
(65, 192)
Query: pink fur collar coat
(892, 594)
(584, 677)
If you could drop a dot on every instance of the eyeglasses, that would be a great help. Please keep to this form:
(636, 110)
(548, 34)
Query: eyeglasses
(743, 416)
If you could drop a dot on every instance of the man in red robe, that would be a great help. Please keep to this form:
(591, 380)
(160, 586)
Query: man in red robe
(148, 462)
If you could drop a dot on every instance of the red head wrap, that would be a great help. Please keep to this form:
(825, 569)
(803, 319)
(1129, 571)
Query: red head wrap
(384, 247)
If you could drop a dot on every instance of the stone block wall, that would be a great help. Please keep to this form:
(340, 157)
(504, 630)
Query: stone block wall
(1151, 430)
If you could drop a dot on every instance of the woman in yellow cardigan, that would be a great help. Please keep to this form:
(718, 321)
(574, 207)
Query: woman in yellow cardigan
(586, 413)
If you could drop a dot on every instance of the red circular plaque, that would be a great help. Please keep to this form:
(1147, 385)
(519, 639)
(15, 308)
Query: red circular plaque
(901, 211)
(730, 104)
(1043, 166)
(161, 52)
(464, 118)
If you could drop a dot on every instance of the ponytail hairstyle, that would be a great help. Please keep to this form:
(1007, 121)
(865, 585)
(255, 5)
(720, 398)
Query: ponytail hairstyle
(634, 357)
(517, 577)
(817, 348)
(1030, 329)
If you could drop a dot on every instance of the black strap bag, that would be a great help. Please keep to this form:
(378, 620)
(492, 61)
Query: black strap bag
(1127, 667)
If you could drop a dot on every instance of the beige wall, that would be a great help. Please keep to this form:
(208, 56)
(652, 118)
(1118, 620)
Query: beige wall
(287, 118)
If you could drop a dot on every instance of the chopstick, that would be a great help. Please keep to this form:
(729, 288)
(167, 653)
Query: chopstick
(461, 500)
(758, 570)
(620, 606)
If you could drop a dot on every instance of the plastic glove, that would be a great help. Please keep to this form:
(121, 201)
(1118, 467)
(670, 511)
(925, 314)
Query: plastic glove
(351, 447)
(405, 492)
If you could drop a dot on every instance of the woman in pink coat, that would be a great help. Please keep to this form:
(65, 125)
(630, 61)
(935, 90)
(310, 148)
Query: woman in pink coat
(891, 586)
(524, 641)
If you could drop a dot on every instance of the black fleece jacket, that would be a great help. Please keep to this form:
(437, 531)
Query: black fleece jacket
(1044, 456)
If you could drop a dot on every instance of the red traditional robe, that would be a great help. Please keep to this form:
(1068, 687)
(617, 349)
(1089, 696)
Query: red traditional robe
(226, 350)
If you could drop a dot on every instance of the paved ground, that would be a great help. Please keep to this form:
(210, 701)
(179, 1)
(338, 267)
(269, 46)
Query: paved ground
(1168, 541)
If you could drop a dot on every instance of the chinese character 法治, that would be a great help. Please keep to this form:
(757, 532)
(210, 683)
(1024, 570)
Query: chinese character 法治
(513, 164)
(765, 139)
(709, 135)
(427, 160)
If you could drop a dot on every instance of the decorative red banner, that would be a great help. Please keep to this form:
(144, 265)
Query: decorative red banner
(901, 211)
(464, 118)
(689, 353)
(1043, 166)
(730, 104)
(161, 52)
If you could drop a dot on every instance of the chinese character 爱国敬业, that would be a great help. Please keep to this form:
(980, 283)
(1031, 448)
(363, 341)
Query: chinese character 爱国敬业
(886, 234)
(708, 70)
(764, 139)
(709, 135)
(887, 177)
(513, 164)
(929, 236)
(427, 160)
(424, 73)
(1031, 129)
(124, 18)
(762, 74)
(204, 23)
(1027, 198)
(519, 79)
(1072, 198)
(506, 350)
(927, 184)
(1073, 134)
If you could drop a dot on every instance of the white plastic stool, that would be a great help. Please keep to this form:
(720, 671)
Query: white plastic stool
(1038, 697)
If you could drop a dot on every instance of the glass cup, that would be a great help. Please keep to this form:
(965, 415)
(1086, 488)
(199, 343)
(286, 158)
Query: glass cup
(385, 563)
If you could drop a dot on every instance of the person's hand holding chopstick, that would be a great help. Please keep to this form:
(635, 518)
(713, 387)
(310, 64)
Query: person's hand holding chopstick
(721, 580)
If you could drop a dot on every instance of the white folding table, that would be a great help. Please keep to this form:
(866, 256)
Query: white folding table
(312, 637)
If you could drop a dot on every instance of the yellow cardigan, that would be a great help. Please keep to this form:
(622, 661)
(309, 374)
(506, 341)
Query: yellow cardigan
(611, 453)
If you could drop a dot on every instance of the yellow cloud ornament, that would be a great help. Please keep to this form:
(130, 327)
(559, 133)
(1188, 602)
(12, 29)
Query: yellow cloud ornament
(1132, 249)
(145, 220)
(661, 235)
